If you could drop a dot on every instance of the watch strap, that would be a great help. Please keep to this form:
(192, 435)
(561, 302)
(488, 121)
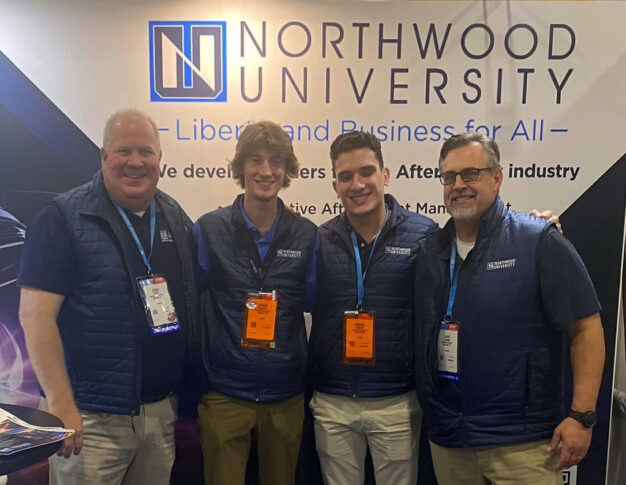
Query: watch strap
(587, 419)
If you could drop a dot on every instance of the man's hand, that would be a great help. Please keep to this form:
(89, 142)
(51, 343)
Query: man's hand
(38, 313)
(72, 420)
(292, 211)
(575, 439)
(547, 215)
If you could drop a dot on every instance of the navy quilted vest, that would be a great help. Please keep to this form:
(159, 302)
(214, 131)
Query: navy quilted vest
(263, 375)
(388, 291)
(97, 319)
(510, 357)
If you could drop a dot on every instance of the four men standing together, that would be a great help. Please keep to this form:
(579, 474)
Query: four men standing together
(109, 306)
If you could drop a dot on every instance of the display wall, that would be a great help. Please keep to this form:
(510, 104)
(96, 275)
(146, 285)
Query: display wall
(544, 79)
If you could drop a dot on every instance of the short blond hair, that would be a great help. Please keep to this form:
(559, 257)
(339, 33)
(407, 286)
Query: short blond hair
(131, 112)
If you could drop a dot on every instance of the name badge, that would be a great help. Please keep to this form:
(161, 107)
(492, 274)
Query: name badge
(448, 351)
(259, 320)
(158, 305)
(358, 338)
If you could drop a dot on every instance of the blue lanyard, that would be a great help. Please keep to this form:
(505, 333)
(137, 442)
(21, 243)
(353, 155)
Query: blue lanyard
(360, 275)
(454, 279)
(146, 259)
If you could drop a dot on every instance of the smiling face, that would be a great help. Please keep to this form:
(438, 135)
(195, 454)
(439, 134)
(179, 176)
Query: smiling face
(467, 201)
(130, 162)
(263, 175)
(360, 182)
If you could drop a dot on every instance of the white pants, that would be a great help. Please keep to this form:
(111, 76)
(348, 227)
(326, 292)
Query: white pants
(345, 426)
(119, 449)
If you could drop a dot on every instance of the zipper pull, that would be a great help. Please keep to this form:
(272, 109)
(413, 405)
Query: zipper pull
(257, 271)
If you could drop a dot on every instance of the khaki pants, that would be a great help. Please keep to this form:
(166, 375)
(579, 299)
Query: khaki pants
(227, 425)
(119, 449)
(522, 464)
(346, 426)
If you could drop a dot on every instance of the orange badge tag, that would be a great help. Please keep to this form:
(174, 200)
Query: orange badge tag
(358, 337)
(259, 320)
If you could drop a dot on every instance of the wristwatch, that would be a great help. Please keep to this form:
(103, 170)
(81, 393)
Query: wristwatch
(588, 419)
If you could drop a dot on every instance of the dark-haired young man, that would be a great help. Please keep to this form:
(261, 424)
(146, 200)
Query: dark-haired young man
(361, 346)
(258, 258)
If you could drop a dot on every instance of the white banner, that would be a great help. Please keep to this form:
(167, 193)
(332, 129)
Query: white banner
(545, 79)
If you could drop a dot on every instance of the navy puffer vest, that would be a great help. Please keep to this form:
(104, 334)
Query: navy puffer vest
(388, 291)
(263, 375)
(510, 357)
(97, 321)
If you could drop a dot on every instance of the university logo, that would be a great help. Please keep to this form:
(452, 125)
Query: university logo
(288, 253)
(398, 251)
(187, 61)
(166, 236)
(507, 263)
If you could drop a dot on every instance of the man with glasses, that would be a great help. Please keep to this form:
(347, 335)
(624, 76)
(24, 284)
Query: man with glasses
(495, 292)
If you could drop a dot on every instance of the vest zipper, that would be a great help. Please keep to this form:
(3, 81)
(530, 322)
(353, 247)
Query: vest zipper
(527, 384)
(258, 267)
(356, 376)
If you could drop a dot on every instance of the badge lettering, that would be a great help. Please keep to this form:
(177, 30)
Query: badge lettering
(397, 250)
(507, 263)
(288, 253)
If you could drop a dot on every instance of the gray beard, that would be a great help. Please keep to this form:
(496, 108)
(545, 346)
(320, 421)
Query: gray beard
(463, 213)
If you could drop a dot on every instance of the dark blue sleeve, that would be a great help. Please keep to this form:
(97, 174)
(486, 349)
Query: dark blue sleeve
(310, 288)
(48, 262)
(203, 257)
(566, 289)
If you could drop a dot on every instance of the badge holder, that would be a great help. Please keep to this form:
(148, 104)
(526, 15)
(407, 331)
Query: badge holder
(448, 350)
(358, 338)
(158, 305)
(259, 320)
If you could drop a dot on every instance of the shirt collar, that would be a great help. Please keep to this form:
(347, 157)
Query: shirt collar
(269, 235)
(146, 214)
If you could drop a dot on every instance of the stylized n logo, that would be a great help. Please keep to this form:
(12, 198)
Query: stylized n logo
(188, 61)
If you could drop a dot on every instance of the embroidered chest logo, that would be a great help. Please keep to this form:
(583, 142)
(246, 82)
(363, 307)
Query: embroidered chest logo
(507, 263)
(397, 250)
(288, 253)
(166, 236)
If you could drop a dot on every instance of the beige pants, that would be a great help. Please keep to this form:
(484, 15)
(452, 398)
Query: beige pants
(227, 425)
(122, 450)
(346, 426)
(522, 464)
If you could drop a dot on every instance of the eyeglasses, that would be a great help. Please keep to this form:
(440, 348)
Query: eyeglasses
(467, 175)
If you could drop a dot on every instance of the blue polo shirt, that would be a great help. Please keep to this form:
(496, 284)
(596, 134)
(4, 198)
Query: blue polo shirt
(262, 241)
